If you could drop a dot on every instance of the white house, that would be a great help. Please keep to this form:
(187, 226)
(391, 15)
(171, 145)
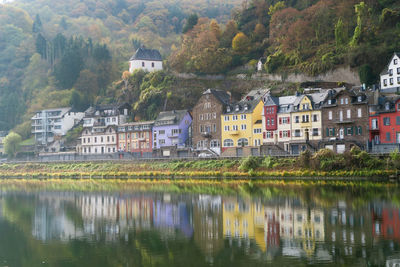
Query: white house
(260, 64)
(146, 59)
(390, 76)
(46, 124)
(99, 135)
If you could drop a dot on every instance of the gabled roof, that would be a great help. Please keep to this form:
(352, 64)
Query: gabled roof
(146, 54)
(170, 117)
(115, 107)
(248, 103)
(270, 100)
(220, 95)
(385, 70)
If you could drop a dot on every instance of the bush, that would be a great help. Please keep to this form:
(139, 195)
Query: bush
(395, 159)
(327, 160)
(249, 163)
(304, 160)
(268, 162)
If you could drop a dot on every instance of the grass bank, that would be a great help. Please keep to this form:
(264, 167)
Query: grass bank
(323, 165)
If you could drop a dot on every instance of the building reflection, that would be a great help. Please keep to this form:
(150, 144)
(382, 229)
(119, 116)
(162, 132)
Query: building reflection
(262, 229)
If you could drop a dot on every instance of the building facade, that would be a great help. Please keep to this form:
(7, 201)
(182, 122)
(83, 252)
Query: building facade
(99, 135)
(345, 120)
(172, 129)
(136, 138)
(384, 124)
(241, 125)
(390, 76)
(146, 59)
(49, 124)
(206, 126)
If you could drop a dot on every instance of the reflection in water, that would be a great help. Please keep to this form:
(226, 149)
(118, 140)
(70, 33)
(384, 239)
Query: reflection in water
(179, 229)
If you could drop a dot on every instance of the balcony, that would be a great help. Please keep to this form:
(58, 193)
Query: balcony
(206, 134)
(344, 121)
(173, 135)
(375, 128)
(234, 132)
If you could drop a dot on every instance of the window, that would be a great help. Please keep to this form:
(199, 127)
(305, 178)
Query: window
(243, 117)
(398, 79)
(346, 101)
(243, 127)
(84, 140)
(142, 63)
(268, 135)
(243, 142)
(162, 141)
(234, 127)
(315, 132)
(285, 134)
(391, 81)
(391, 72)
(385, 82)
(285, 120)
(359, 98)
(95, 139)
(201, 117)
(315, 117)
(359, 113)
(305, 118)
(257, 131)
(349, 131)
(161, 132)
(348, 113)
(152, 64)
(226, 128)
(387, 106)
(268, 122)
(395, 61)
(341, 101)
(388, 136)
(226, 118)
(330, 115)
(359, 130)
(297, 133)
(297, 119)
(235, 117)
(329, 101)
(305, 106)
(398, 70)
(214, 143)
(257, 142)
(228, 143)
(386, 121)
(398, 120)
(272, 122)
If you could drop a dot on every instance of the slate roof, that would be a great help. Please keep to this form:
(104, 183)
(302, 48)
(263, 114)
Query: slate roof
(250, 101)
(175, 116)
(146, 54)
(115, 107)
(287, 102)
(222, 96)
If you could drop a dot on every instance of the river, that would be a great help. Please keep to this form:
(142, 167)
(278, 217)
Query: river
(278, 226)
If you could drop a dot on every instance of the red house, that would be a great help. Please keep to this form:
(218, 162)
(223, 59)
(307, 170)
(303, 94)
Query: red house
(270, 115)
(136, 138)
(384, 122)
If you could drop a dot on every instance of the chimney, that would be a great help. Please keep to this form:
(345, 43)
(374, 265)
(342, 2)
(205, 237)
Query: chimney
(230, 96)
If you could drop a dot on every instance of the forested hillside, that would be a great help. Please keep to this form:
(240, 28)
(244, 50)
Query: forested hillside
(309, 36)
(61, 53)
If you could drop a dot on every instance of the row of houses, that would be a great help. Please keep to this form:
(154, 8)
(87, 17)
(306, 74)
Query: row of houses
(258, 124)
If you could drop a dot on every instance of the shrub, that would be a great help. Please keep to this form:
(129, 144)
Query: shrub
(268, 162)
(249, 163)
(305, 159)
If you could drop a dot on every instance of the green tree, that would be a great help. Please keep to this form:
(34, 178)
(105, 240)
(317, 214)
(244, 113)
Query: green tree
(190, 23)
(278, 6)
(340, 33)
(366, 75)
(12, 144)
(37, 25)
(67, 70)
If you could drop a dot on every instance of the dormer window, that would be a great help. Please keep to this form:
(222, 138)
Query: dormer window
(391, 72)
(329, 101)
(246, 107)
(359, 98)
(387, 106)
(395, 61)
(237, 108)
(228, 109)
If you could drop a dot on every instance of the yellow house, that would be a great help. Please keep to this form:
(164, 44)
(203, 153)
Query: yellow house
(241, 125)
(306, 120)
(244, 219)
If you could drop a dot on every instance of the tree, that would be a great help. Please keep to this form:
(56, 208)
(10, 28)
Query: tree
(12, 144)
(274, 8)
(228, 34)
(362, 14)
(241, 43)
(366, 75)
(259, 32)
(340, 33)
(68, 69)
(190, 23)
(37, 25)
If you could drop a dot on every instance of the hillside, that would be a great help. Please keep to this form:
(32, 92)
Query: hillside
(62, 53)
(54, 53)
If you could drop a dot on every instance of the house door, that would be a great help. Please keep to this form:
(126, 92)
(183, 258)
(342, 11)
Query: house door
(376, 139)
(341, 133)
(307, 134)
(398, 138)
(341, 115)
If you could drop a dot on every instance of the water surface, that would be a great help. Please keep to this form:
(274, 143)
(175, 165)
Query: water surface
(283, 226)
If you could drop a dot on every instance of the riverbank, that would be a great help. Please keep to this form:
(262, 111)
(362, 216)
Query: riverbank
(324, 165)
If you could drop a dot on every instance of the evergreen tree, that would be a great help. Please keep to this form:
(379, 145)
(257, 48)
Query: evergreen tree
(37, 25)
